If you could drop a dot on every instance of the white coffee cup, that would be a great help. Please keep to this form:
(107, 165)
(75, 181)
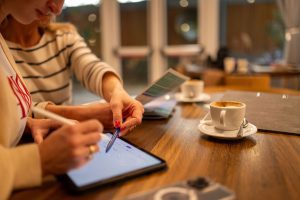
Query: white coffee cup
(227, 115)
(192, 88)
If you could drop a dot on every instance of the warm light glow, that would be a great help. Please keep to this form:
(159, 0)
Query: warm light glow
(92, 17)
(75, 3)
(184, 3)
(92, 41)
(288, 36)
(130, 1)
(167, 97)
(251, 1)
(185, 27)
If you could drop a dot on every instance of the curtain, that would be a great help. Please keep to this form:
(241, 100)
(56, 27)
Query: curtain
(290, 11)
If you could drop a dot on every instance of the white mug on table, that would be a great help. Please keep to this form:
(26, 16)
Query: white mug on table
(226, 115)
(192, 88)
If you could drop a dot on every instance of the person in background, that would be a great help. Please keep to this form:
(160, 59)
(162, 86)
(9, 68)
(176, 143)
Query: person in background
(48, 53)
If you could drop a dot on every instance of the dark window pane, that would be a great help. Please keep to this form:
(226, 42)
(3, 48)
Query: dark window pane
(182, 22)
(133, 20)
(252, 29)
(135, 74)
(86, 20)
(173, 62)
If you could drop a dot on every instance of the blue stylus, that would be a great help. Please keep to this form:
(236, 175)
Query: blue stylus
(113, 139)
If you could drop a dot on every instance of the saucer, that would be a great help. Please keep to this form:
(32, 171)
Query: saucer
(210, 130)
(201, 97)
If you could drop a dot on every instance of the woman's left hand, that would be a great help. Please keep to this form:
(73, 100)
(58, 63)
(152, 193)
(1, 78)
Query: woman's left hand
(40, 128)
(125, 107)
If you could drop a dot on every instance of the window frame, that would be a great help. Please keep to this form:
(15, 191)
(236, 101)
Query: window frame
(157, 51)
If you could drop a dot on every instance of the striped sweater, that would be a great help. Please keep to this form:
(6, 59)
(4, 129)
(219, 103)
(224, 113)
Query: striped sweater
(47, 67)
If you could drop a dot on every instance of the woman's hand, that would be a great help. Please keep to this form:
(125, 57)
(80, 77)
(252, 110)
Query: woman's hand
(40, 128)
(125, 107)
(69, 147)
(122, 105)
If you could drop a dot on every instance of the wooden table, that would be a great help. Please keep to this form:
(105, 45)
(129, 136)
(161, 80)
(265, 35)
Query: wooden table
(262, 166)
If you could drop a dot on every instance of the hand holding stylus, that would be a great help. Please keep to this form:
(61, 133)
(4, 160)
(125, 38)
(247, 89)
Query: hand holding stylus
(70, 146)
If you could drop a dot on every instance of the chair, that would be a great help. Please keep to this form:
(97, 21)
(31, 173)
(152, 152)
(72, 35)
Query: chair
(248, 82)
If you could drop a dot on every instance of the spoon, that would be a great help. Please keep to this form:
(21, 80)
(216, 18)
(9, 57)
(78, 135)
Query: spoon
(243, 125)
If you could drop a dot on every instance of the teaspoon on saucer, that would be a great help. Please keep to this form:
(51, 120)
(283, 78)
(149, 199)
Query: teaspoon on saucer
(243, 125)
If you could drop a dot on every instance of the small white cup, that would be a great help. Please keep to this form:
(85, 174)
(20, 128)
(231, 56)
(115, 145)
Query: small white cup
(192, 88)
(229, 65)
(227, 115)
(242, 65)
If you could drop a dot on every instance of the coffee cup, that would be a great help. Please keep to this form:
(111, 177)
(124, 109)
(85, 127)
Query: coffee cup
(192, 88)
(227, 115)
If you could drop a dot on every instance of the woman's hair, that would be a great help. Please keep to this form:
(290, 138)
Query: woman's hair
(53, 26)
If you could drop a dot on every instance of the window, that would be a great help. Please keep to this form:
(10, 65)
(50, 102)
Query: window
(252, 29)
(133, 50)
(142, 38)
(133, 22)
(182, 22)
(87, 22)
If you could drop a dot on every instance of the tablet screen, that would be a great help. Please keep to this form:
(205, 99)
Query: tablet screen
(122, 159)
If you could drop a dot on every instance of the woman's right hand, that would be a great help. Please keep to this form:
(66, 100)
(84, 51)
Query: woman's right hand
(69, 147)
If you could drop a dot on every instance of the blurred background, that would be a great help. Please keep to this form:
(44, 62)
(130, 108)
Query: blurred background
(205, 39)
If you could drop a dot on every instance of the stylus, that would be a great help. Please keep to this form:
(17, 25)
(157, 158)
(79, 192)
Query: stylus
(113, 139)
(56, 117)
(53, 116)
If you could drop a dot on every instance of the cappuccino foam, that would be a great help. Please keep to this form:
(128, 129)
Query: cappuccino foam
(227, 104)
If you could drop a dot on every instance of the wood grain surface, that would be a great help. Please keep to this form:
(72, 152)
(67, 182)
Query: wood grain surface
(262, 166)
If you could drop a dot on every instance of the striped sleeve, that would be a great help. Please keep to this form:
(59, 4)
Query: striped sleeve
(88, 68)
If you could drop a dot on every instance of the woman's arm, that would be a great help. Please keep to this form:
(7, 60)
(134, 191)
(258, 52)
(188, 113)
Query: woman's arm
(99, 111)
(122, 105)
(20, 167)
(110, 83)
(87, 67)
(103, 80)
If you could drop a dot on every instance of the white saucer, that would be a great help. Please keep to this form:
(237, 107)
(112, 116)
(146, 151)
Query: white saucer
(201, 97)
(227, 135)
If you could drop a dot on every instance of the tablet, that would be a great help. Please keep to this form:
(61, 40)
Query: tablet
(123, 161)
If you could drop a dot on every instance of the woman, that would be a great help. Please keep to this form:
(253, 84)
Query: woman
(66, 148)
(46, 55)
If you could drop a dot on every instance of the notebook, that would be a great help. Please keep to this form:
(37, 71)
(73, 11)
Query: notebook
(170, 81)
(155, 98)
(270, 112)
